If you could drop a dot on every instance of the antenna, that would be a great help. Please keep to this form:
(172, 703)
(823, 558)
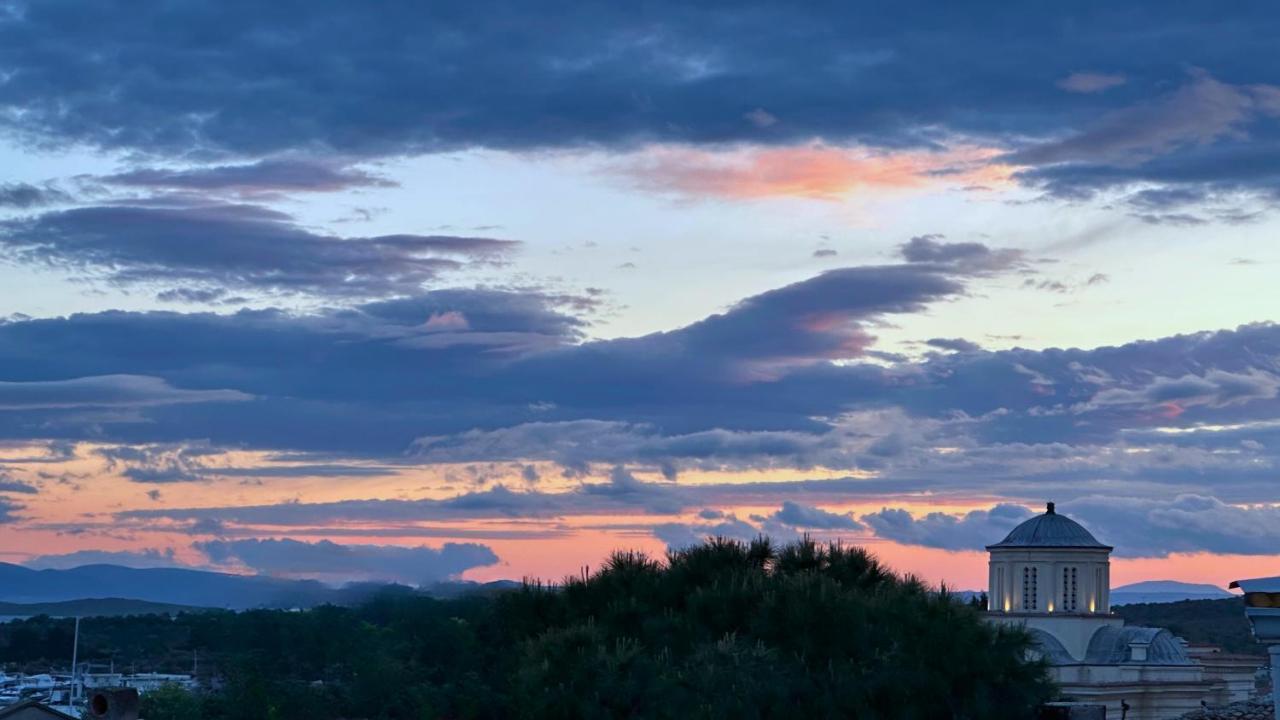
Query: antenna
(75, 656)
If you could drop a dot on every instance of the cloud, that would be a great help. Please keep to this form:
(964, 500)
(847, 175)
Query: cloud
(240, 247)
(194, 462)
(1156, 527)
(682, 535)
(807, 516)
(953, 344)
(780, 380)
(10, 485)
(1200, 112)
(23, 196)
(261, 178)
(580, 443)
(968, 256)
(1206, 146)
(621, 492)
(618, 76)
(885, 95)
(106, 391)
(9, 511)
(971, 531)
(420, 565)
(1136, 527)
(146, 558)
(1216, 388)
(1085, 82)
(814, 171)
(761, 118)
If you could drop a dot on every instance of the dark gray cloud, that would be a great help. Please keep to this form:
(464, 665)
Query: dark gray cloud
(784, 379)
(1199, 112)
(1179, 98)
(1199, 153)
(194, 462)
(968, 256)
(784, 525)
(214, 247)
(229, 77)
(620, 492)
(577, 444)
(953, 344)
(11, 485)
(809, 517)
(198, 296)
(682, 535)
(1136, 527)
(328, 560)
(127, 391)
(1186, 523)
(9, 511)
(264, 177)
(23, 196)
(1214, 388)
(971, 531)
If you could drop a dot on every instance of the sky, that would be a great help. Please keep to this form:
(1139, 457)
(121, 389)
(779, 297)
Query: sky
(484, 290)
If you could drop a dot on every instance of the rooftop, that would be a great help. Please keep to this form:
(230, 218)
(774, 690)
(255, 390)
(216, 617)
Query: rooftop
(1050, 530)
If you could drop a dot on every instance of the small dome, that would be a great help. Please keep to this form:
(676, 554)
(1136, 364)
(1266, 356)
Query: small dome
(1050, 530)
(1112, 646)
(1049, 648)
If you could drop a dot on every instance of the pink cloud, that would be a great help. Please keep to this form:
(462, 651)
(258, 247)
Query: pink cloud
(451, 321)
(814, 171)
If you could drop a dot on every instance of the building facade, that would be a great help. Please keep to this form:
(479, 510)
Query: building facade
(1052, 577)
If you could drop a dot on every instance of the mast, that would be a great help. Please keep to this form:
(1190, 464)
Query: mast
(75, 656)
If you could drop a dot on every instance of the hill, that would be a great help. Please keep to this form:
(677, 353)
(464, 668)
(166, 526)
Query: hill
(92, 607)
(1219, 622)
(176, 586)
(1164, 591)
(185, 588)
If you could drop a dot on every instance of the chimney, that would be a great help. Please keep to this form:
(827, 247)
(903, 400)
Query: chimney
(115, 704)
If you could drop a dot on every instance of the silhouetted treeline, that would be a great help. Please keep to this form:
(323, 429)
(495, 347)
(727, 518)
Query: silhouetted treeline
(721, 630)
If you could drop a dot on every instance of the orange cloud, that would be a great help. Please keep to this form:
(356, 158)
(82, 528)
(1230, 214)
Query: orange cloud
(814, 171)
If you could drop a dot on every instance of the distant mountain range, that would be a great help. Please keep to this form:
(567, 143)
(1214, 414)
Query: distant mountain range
(112, 587)
(186, 588)
(1165, 591)
(1148, 591)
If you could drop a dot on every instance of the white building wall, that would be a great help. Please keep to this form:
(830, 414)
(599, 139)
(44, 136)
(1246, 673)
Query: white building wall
(1009, 568)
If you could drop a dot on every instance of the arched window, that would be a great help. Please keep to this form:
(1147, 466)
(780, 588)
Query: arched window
(1069, 594)
(1029, 589)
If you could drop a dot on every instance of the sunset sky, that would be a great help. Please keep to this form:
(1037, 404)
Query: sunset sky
(411, 291)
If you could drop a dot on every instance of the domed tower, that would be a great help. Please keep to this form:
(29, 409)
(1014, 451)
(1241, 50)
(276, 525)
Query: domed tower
(1050, 565)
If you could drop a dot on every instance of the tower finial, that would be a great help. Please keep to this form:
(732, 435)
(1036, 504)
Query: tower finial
(1049, 509)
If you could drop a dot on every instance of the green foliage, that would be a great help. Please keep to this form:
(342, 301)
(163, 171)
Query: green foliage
(171, 702)
(1217, 622)
(720, 630)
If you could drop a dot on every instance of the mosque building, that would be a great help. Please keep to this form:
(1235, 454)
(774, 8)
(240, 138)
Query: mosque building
(1052, 577)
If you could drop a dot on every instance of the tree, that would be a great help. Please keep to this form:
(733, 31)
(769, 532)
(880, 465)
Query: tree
(734, 630)
(170, 702)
